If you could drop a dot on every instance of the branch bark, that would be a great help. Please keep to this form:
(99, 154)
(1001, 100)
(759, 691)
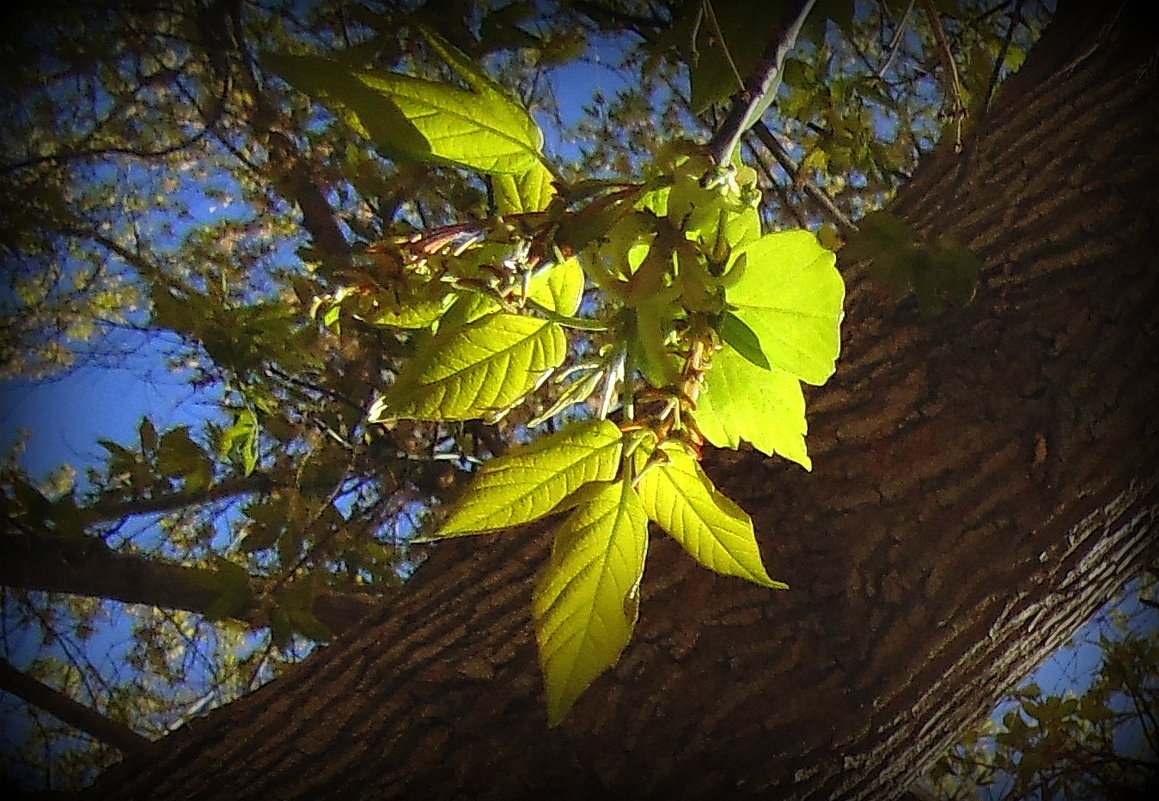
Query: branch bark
(760, 87)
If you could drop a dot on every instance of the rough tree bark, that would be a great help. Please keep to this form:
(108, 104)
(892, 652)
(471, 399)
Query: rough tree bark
(984, 480)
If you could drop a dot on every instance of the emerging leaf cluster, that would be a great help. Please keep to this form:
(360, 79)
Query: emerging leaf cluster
(683, 324)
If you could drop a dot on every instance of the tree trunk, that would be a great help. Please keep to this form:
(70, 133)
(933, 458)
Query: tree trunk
(984, 481)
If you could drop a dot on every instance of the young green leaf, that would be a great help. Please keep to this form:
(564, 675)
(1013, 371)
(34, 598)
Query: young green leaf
(681, 499)
(524, 194)
(647, 333)
(741, 401)
(559, 287)
(790, 295)
(467, 308)
(485, 131)
(743, 340)
(530, 482)
(352, 101)
(586, 602)
(576, 392)
(242, 437)
(409, 305)
(481, 128)
(465, 66)
(475, 370)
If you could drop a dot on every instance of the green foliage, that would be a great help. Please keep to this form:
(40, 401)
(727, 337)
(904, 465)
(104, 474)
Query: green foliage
(480, 128)
(534, 480)
(722, 45)
(686, 277)
(242, 438)
(744, 402)
(586, 602)
(789, 296)
(681, 499)
(480, 369)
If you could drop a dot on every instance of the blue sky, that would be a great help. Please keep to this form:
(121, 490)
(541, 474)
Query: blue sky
(65, 416)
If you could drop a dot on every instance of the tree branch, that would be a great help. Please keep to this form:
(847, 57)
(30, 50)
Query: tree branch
(110, 511)
(817, 193)
(87, 566)
(291, 173)
(59, 705)
(761, 87)
(953, 86)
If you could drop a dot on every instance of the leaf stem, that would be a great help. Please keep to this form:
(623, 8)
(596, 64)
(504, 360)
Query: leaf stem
(579, 323)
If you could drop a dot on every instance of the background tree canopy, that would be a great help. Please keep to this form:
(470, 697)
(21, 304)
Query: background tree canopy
(307, 210)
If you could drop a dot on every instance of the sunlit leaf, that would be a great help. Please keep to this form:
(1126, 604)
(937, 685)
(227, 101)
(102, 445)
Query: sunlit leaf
(681, 499)
(523, 194)
(475, 370)
(559, 287)
(352, 101)
(242, 438)
(531, 481)
(647, 334)
(481, 127)
(790, 295)
(467, 308)
(413, 305)
(743, 340)
(743, 402)
(586, 602)
(485, 131)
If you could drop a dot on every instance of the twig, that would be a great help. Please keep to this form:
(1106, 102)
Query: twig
(762, 86)
(817, 193)
(1015, 18)
(711, 14)
(782, 195)
(953, 85)
(895, 43)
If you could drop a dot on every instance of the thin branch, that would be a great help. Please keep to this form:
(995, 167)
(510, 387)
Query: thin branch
(97, 152)
(953, 84)
(711, 14)
(782, 195)
(895, 43)
(209, 125)
(761, 87)
(293, 175)
(817, 193)
(310, 386)
(56, 703)
(1015, 18)
(86, 566)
